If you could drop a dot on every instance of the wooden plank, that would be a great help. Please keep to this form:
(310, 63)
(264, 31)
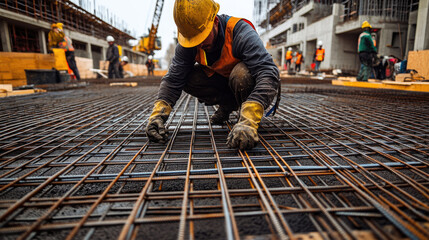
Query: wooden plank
(84, 65)
(401, 77)
(419, 60)
(7, 87)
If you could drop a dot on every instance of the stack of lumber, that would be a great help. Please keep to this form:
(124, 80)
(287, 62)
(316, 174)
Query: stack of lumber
(84, 65)
(13, 65)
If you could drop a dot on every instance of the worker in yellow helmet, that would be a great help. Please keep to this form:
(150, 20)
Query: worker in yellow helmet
(367, 52)
(233, 70)
(55, 36)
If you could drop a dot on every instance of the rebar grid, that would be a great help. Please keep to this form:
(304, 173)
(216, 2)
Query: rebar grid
(334, 163)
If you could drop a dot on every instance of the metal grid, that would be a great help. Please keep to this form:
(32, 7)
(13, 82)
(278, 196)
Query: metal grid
(334, 163)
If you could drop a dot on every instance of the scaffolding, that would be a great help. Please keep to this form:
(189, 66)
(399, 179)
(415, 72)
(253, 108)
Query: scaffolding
(73, 16)
(389, 10)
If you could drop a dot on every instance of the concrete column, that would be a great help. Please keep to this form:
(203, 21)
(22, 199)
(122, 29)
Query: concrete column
(89, 50)
(103, 53)
(422, 30)
(283, 62)
(5, 39)
(42, 42)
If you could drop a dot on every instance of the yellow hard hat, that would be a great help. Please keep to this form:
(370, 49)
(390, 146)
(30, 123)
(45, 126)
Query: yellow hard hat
(53, 25)
(366, 25)
(60, 25)
(194, 20)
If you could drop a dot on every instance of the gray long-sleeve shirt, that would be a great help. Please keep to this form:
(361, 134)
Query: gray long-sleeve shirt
(112, 54)
(247, 47)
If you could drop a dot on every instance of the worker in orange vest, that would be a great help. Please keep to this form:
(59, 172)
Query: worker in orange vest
(299, 59)
(66, 44)
(319, 55)
(289, 56)
(222, 61)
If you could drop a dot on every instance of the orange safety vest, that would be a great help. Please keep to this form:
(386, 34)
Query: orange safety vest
(320, 54)
(227, 61)
(298, 58)
(288, 55)
(66, 44)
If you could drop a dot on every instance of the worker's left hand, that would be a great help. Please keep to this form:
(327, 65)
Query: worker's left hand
(244, 134)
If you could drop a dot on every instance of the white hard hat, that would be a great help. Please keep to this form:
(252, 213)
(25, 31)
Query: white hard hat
(110, 39)
(319, 43)
(150, 57)
(125, 59)
(289, 49)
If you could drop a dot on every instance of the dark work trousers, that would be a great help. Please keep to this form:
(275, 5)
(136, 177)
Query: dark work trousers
(114, 69)
(298, 67)
(366, 66)
(72, 63)
(217, 89)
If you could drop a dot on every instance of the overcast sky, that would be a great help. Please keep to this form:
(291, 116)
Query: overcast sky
(138, 15)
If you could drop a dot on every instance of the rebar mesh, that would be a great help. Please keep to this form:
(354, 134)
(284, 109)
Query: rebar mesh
(334, 163)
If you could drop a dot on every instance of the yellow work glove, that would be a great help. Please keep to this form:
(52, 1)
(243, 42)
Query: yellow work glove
(155, 128)
(244, 134)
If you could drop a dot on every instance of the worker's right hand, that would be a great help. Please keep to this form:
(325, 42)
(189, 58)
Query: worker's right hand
(244, 134)
(155, 128)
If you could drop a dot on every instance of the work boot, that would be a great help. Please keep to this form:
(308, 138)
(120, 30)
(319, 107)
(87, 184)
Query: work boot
(221, 115)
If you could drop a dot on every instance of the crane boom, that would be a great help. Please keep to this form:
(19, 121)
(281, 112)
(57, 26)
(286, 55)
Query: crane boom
(151, 42)
(155, 23)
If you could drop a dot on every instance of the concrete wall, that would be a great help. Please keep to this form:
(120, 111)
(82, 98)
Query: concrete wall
(422, 29)
(339, 38)
(411, 34)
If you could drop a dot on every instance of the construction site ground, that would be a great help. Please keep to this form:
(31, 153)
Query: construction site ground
(333, 163)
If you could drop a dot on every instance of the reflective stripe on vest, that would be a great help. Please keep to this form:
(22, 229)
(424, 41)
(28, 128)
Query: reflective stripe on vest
(298, 59)
(66, 44)
(226, 61)
(288, 55)
(320, 54)
(360, 37)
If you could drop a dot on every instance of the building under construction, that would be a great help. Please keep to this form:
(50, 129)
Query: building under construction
(400, 25)
(333, 162)
(24, 29)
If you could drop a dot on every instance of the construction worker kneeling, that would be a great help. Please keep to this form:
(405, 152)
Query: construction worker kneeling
(233, 70)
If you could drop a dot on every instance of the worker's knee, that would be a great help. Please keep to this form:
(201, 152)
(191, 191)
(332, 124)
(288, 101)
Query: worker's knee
(240, 79)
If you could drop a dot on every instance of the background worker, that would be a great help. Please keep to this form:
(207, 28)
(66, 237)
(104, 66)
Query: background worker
(366, 51)
(319, 55)
(150, 66)
(55, 36)
(67, 45)
(112, 56)
(289, 56)
(233, 70)
(299, 60)
(124, 61)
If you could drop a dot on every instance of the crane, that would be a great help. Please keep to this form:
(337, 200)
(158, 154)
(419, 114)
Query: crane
(147, 44)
